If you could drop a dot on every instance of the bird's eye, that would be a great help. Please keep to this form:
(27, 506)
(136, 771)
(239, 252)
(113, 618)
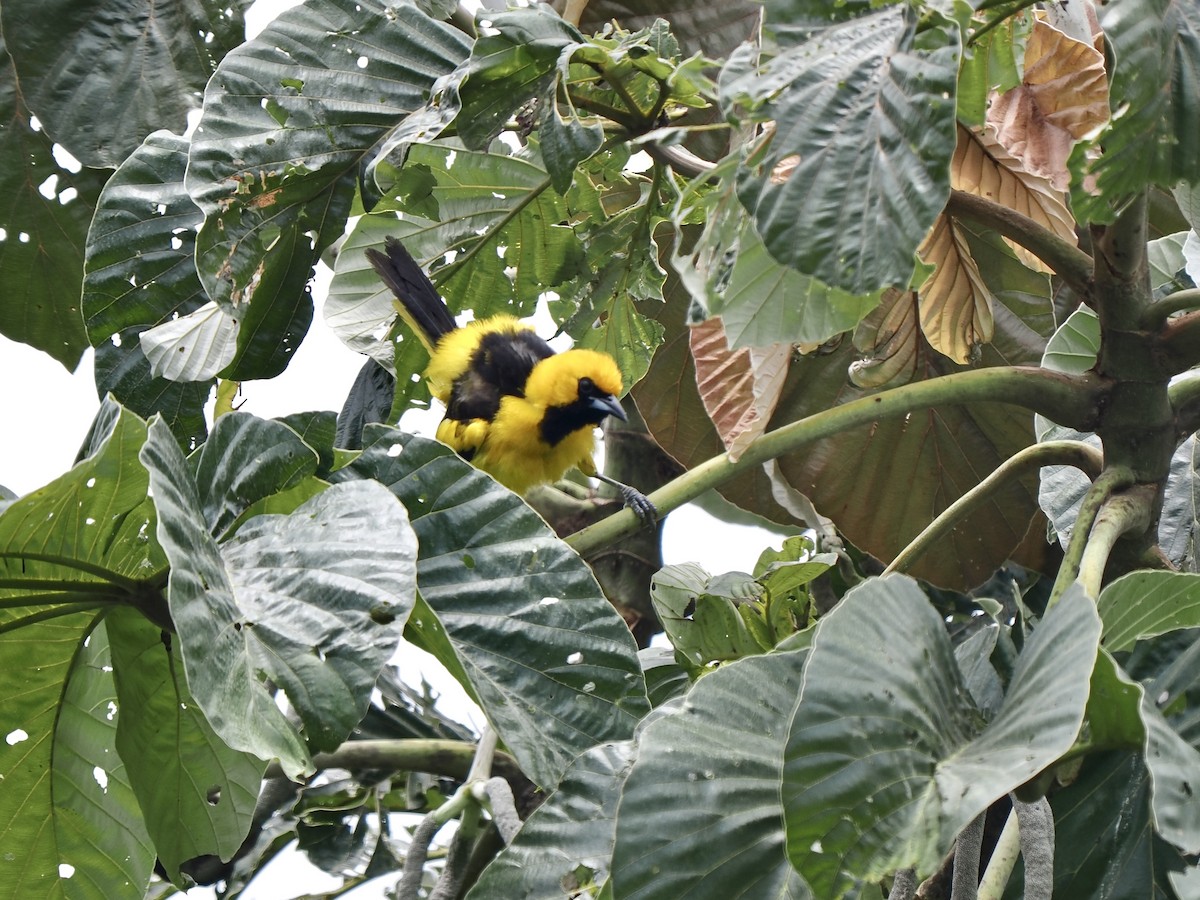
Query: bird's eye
(586, 386)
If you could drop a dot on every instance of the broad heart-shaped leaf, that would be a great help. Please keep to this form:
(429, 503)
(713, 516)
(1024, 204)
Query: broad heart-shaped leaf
(44, 211)
(196, 794)
(289, 118)
(139, 272)
(86, 538)
(730, 272)
(1152, 138)
(886, 759)
(567, 841)
(523, 619)
(102, 76)
(1105, 844)
(314, 601)
(700, 814)
(247, 459)
(1147, 604)
(859, 165)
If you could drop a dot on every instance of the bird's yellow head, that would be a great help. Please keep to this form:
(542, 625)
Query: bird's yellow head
(572, 377)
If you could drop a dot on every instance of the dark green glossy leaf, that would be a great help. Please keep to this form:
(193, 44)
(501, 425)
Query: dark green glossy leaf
(567, 841)
(140, 272)
(760, 301)
(522, 617)
(289, 118)
(102, 76)
(867, 104)
(314, 601)
(45, 209)
(700, 815)
(888, 759)
(196, 794)
(1152, 138)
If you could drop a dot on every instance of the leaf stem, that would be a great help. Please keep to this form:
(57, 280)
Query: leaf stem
(45, 615)
(1106, 484)
(1121, 514)
(1050, 453)
(1072, 264)
(1066, 399)
(77, 565)
(55, 598)
(1004, 857)
(57, 584)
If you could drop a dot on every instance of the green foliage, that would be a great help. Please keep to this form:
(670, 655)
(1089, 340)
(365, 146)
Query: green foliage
(199, 611)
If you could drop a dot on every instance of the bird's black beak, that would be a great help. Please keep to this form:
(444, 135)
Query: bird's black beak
(607, 405)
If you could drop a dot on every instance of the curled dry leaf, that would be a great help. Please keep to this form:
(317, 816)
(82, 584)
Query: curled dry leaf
(891, 339)
(739, 388)
(1063, 96)
(982, 166)
(955, 304)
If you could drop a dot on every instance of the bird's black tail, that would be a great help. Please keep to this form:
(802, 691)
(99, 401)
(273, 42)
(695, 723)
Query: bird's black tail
(425, 310)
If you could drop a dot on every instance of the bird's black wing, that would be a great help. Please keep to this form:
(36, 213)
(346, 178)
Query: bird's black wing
(500, 367)
(413, 289)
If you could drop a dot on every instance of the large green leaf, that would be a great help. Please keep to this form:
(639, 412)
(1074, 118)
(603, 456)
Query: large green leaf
(196, 794)
(1147, 604)
(1152, 138)
(140, 272)
(516, 611)
(288, 120)
(887, 759)
(74, 547)
(102, 76)
(247, 459)
(700, 814)
(1105, 845)
(859, 165)
(732, 275)
(45, 209)
(566, 843)
(314, 601)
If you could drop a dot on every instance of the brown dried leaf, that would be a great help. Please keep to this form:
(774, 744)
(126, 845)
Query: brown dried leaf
(740, 388)
(890, 339)
(982, 166)
(1063, 97)
(955, 304)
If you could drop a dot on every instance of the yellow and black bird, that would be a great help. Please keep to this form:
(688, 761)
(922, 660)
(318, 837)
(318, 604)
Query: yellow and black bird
(514, 408)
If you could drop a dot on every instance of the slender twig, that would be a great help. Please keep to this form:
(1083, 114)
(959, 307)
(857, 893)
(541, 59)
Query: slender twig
(1068, 400)
(679, 159)
(965, 884)
(1072, 264)
(1124, 513)
(1050, 453)
(1004, 857)
(1106, 484)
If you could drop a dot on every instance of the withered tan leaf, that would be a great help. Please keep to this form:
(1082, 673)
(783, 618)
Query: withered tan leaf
(955, 304)
(982, 166)
(890, 338)
(739, 388)
(1062, 98)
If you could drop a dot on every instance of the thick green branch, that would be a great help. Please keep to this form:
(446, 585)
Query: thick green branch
(1072, 264)
(1068, 400)
(1160, 310)
(1181, 342)
(1106, 485)
(1051, 453)
(1184, 396)
(1125, 513)
(438, 757)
